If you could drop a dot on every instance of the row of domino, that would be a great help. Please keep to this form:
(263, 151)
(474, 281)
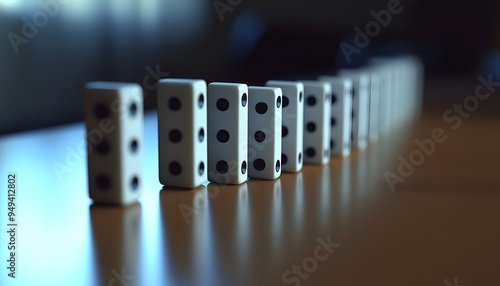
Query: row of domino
(229, 132)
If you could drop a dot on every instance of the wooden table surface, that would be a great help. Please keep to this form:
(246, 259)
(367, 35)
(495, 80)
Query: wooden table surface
(339, 224)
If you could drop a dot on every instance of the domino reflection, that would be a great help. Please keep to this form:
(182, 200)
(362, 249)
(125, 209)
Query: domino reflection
(326, 203)
(116, 237)
(361, 180)
(319, 192)
(187, 247)
(344, 185)
(243, 227)
(276, 220)
(203, 249)
(293, 188)
(299, 205)
(230, 217)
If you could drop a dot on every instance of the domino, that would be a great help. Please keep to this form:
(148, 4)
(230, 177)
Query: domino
(401, 90)
(395, 94)
(264, 132)
(384, 95)
(115, 112)
(360, 106)
(317, 122)
(412, 86)
(182, 127)
(227, 133)
(292, 131)
(341, 120)
(374, 122)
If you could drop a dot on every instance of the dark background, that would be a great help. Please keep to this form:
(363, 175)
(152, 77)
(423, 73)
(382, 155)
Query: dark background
(123, 40)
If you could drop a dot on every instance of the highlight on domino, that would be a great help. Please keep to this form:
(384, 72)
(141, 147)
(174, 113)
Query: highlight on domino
(228, 133)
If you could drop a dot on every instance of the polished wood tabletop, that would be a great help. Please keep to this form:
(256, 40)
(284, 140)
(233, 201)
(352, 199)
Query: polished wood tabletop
(339, 224)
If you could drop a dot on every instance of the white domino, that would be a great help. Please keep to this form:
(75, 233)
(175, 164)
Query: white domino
(264, 132)
(341, 119)
(317, 122)
(384, 95)
(374, 122)
(412, 87)
(403, 92)
(114, 122)
(398, 93)
(182, 127)
(227, 133)
(292, 124)
(360, 106)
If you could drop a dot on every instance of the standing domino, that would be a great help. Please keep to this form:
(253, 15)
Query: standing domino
(227, 133)
(384, 94)
(341, 120)
(264, 132)
(374, 122)
(316, 122)
(182, 123)
(360, 106)
(113, 112)
(292, 131)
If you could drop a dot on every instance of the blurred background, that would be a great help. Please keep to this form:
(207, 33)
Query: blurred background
(49, 49)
